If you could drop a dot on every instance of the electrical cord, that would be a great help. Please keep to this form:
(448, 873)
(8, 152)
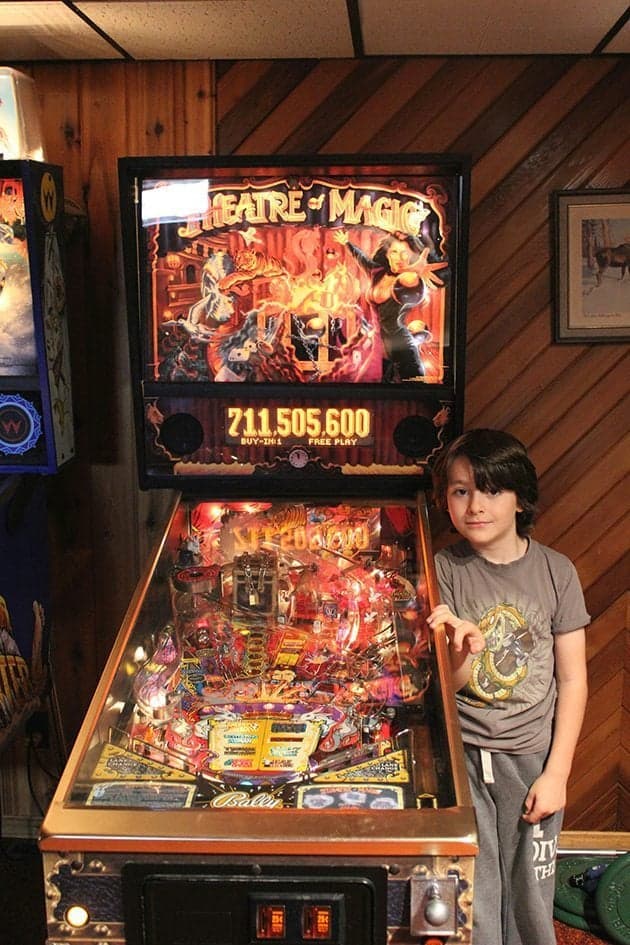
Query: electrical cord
(29, 776)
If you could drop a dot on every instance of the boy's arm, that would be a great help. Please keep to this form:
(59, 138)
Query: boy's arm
(465, 640)
(548, 792)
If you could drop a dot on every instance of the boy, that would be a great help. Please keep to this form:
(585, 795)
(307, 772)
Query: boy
(514, 614)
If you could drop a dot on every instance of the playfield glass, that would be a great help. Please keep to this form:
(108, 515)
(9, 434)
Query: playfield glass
(286, 665)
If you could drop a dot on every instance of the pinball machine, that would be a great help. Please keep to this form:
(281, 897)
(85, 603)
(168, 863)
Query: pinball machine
(272, 754)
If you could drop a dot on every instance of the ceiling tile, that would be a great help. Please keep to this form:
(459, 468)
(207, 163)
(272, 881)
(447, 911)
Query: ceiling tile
(303, 29)
(485, 27)
(224, 29)
(37, 31)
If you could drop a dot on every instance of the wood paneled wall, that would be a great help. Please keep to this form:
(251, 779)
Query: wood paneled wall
(531, 125)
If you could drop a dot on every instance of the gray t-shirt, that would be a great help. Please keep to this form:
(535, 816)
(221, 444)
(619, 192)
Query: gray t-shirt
(508, 703)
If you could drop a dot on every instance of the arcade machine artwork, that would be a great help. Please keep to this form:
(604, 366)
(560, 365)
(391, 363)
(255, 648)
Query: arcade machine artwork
(273, 754)
(36, 434)
(36, 431)
(301, 279)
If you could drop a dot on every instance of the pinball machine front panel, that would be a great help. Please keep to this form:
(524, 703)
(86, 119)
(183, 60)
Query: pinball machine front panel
(273, 753)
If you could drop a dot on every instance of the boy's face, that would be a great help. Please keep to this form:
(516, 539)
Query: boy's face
(486, 519)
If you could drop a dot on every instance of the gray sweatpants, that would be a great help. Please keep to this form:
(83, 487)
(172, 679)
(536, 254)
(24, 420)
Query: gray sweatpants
(514, 880)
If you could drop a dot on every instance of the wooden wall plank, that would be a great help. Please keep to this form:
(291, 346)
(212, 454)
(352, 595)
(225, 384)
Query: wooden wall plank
(197, 95)
(558, 517)
(515, 144)
(489, 293)
(604, 552)
(509, 323)
(598, 395)
(537, 171)
(599, 750)
(599, 781)
(496, 375)
(609, 658)
(614, 169)
(601, 807)
(394, 97)
(309, 134)
(500, 228)
(614, 582)
(531, 420)
(315, 87)
(590, 526)
(235, 81)
(278, 80)
(506, 230)
(564, 368)
(472, 101)
(604, 437)
(511, 104)
(397, 130)
(608, 625)
(603, 700)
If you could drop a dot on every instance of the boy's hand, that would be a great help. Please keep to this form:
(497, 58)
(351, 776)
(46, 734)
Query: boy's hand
(462, 634)
(547, 795)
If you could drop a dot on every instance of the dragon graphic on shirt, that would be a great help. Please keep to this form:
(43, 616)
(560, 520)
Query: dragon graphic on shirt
(504, 661)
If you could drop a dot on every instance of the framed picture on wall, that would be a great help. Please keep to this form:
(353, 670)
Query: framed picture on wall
(591, 265)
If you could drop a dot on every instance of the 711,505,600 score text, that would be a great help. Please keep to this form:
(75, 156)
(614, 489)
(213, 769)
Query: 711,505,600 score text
(299, 424)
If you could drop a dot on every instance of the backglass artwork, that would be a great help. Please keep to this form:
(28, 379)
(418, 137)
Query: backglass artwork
(285, 275)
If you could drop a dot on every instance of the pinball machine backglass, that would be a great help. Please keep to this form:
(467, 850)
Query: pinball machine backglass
(273, 753)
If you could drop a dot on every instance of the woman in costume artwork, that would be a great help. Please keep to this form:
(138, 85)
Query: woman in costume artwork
(400, 274)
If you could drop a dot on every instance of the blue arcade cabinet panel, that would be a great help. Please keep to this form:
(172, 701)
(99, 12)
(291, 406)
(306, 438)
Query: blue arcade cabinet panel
(36, 430)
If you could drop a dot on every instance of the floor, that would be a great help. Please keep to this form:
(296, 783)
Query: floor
(22, 883)
(566, 935)
(24, 922)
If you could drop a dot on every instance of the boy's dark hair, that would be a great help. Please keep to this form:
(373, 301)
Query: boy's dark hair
(499, 461)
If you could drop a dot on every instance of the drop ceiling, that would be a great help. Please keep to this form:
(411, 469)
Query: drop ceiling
(297, 29)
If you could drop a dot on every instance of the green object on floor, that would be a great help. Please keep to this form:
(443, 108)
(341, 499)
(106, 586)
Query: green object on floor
(576, 921)
(570, 896)
(612, 899)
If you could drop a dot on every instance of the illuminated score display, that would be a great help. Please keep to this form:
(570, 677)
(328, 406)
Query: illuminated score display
(323, 426)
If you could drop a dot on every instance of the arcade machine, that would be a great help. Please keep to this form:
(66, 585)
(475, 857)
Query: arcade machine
(272, 754)
(36, 428)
